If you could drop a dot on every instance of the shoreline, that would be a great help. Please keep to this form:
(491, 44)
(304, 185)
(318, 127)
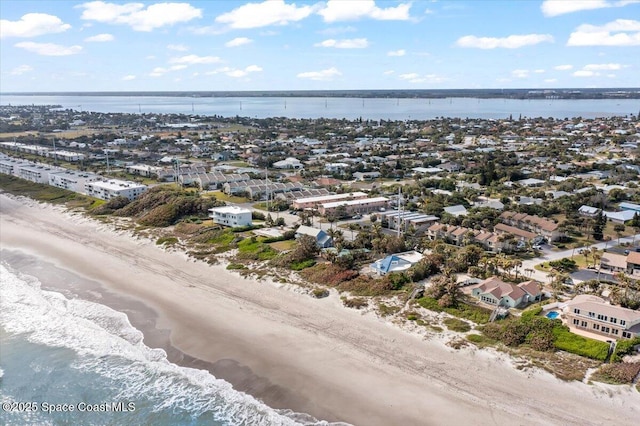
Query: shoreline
(340, 364)
(145, 319)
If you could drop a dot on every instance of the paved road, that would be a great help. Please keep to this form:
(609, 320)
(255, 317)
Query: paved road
(549, 255)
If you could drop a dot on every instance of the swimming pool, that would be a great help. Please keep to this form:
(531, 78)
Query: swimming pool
(553, 314)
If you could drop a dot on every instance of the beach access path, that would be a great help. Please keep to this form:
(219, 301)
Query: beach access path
(321, 358)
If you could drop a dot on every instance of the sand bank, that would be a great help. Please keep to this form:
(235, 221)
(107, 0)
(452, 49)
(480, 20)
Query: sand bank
(305, 354)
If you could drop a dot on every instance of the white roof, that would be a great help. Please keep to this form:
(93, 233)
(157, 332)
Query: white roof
(230, 210)
(322, 198)
(117, 185)
(355, 202)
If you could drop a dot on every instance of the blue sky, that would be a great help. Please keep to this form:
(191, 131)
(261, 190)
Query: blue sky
(309, 45)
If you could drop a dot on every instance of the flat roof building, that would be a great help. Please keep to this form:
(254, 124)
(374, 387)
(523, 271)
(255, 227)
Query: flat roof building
(106, 190)
(232, 216)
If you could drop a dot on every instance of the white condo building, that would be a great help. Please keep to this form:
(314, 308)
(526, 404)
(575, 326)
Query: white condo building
(233, 216)
(106, 190)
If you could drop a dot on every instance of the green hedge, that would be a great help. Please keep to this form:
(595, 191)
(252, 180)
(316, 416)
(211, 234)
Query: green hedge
(567, 341)
(624, 347)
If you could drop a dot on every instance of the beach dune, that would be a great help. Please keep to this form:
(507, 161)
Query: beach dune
(300, 353)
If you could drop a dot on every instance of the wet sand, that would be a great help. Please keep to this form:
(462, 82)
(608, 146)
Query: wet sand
(296, 352)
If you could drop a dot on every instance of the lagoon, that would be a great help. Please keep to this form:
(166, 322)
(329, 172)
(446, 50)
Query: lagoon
(338, 107)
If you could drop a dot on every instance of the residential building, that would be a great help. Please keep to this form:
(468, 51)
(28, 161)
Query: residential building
(108, 189)
(323, 240)
(288, 163)
(232, 216)
(397, 262)
(315, 202)
(37, 173)
(457, 210)
(72, 180)
(361, 206)
(541, 226)
(613, 262)
(593, 314)
(494, 291)
(366, 175)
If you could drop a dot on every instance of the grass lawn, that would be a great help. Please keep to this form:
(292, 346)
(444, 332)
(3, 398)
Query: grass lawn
(227, 198)
(283, 245)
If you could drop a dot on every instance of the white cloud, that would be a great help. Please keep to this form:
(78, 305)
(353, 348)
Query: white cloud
(353, 43)
(99, 38)
(160, 71)
(49, 49)
(510, 42)
(560, 7)
(236, 73)
(194, 60)
(137, 16)
(400, 52)
(239, 41)
(32, 25)
(255, 15)
(129, 77)
(409, 76)
(21, 70)
(339, 10)
(602, 67)
(178, 47)
(550, 80)
(539, 71)
(324, 75)
(584, 73)
(389, 72)
(520, 73)
(337, 30)
(418, 78)
(563, 67)
(621, 32)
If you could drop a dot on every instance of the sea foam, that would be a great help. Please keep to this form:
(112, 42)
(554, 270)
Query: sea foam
(107, 344)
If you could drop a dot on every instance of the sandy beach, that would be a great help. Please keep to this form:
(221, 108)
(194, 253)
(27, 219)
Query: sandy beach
(293, 351)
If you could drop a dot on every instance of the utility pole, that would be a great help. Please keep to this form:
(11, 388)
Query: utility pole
(55, 155)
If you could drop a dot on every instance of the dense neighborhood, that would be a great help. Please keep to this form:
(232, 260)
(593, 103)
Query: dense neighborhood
(502, 215)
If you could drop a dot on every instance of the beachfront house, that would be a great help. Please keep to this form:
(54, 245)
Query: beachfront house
(397, 262)
(593, 314)
(494, 291)
(232, 216)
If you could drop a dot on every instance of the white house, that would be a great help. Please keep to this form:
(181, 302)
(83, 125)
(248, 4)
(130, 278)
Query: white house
(288, 163)
(396, 262)
(232, 216)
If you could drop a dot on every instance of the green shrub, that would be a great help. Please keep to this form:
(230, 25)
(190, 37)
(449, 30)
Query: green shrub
(235, 266)
(567, 341)
(319, 293)
(455, 324)
(167, 240)
(300, 265)
(530, 313)
(624, 347)
(356, 302)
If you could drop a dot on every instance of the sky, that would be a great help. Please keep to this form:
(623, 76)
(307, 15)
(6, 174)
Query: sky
(54, 46)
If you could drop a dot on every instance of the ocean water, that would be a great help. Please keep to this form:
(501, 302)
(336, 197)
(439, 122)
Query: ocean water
(57, 350)
(339, 108)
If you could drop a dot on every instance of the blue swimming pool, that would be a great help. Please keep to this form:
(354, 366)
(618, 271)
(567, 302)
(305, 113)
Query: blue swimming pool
(553, 314)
